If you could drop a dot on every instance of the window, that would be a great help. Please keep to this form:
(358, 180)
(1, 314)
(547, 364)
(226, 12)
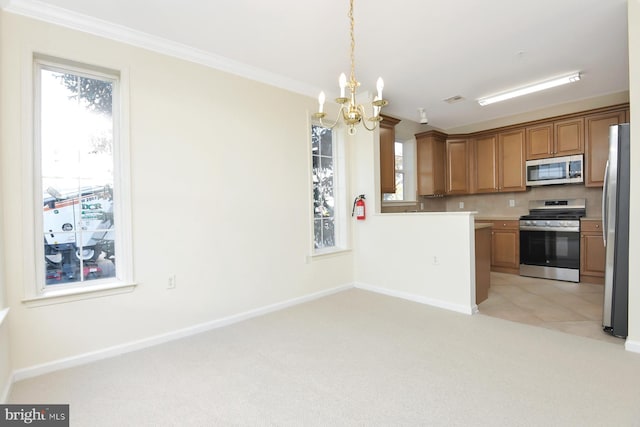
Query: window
(399, 160)
(80, 218)
(405, 175)
(322, 150)
(329, 203)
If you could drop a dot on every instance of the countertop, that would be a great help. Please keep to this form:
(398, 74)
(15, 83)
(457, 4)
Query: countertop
(497, 218)
(481, 225)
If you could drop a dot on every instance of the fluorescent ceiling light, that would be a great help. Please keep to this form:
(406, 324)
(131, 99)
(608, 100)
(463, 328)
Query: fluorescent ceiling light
(530, 89)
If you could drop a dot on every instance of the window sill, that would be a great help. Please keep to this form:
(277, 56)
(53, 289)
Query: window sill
(62, 296)
(317, 256)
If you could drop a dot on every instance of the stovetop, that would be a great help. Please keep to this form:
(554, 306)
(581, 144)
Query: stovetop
(567, 209)
(555, 215)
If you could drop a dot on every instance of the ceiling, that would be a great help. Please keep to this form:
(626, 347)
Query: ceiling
(426, 50)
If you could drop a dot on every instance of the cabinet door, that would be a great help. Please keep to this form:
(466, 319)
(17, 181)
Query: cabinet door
(505, 251)
(387, 160)
(539, 141)
(592, 252)
(597, 145)
(431, 166)
(569, 137)
(511, 161)
(457, 166)
(486, 166)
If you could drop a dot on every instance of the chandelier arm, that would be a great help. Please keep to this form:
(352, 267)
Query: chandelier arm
(336, 120)
(375, 125)
(365, 119)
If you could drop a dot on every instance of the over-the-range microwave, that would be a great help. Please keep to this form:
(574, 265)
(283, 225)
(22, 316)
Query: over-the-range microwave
(555, 170)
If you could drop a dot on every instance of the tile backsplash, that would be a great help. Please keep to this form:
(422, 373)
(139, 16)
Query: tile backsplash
(516, 204)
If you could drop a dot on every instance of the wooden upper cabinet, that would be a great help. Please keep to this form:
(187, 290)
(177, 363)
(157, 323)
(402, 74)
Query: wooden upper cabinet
(430, 150)
(457, 169)
(387, 154)
(511, 161)
(569, 137)
(539, 141)
(486, 164)
(561, 138)
(597, 145)
(500, 162)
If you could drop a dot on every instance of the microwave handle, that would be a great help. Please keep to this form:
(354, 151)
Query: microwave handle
(605, 203)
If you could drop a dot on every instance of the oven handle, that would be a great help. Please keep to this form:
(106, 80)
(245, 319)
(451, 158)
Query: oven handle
(605, 203)
(537, 228)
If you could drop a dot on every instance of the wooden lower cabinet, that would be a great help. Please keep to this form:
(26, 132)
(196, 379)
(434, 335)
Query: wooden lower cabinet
(592, 252)
(505, 246)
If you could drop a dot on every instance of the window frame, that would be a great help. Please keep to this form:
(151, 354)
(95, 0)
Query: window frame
(37, 292)
(339, 191)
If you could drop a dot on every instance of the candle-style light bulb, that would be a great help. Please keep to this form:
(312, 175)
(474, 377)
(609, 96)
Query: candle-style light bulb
(321, 101)
(343, 84)
(380, 86)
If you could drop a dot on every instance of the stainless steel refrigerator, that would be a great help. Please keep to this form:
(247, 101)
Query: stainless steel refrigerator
(615, 218)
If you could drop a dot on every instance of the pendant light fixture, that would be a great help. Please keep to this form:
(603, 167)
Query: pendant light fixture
(351, 112)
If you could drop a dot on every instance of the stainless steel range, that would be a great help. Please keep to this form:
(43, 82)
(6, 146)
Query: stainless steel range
(550, 239)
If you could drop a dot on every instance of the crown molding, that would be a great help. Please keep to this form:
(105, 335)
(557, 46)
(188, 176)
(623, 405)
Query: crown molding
(66, 18)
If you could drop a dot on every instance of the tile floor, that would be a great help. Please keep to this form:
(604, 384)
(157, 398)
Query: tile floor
(574, 308)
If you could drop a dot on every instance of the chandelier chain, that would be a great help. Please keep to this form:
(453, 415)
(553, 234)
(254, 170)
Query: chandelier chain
(353, 43)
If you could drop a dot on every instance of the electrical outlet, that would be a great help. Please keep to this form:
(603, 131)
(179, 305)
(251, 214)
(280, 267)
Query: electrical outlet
(512, 203)
(436, 261)
(172, 282)
(461, 205)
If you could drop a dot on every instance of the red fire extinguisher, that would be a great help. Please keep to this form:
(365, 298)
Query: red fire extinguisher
(359, 208)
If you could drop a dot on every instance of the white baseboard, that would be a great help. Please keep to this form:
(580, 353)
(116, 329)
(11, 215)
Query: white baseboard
(105, 353)
(633, 346)
(420, 299)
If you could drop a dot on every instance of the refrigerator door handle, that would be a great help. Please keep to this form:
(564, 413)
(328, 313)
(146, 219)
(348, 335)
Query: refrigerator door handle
(605, 203)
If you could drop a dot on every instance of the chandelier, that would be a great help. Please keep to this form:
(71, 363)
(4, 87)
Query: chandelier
(353, 113)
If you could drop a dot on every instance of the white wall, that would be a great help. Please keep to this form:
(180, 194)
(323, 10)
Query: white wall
(633, 340)
(394, 252)
(5, 363)
(420, 256)
(221, 195)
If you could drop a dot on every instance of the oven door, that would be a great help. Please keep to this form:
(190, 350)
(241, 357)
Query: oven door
(558, 249)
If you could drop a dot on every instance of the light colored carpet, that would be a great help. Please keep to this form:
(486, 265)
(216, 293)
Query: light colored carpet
(356, 358)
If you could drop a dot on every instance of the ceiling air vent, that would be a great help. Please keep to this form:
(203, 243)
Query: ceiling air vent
(453, 99)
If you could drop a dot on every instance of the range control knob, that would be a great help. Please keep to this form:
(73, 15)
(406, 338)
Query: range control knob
(548, 222)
